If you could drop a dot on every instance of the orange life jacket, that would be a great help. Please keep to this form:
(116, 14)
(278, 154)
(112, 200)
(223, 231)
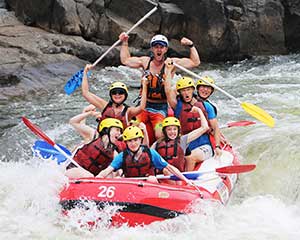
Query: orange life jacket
(172, 152)
(156, 89)
(140, 167)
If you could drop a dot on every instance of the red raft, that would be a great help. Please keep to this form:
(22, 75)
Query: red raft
(141, 202)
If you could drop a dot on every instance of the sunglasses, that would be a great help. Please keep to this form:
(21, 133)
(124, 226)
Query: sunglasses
(117, 91)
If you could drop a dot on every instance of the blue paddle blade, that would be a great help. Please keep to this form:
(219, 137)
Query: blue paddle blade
(74, 82)
(190, 175)
(46, 151)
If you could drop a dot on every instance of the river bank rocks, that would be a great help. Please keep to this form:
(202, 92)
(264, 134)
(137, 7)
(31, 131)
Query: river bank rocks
(33, 59)
(53, 38)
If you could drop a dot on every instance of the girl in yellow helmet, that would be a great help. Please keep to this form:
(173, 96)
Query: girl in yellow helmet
(115, 108)
(173, 147)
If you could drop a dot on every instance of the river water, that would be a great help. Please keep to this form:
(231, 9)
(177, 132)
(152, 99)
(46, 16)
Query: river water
(264, 205)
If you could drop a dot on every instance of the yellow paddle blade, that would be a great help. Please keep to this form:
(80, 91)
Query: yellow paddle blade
(258, 113)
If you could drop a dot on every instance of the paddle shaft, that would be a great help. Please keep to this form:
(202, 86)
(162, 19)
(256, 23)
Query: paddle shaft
(242, 123)
(253, 110)
(36, 130)
(223, 170)
(204, 80)
(129, 31)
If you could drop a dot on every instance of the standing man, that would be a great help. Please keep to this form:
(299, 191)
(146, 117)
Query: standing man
(156, 106)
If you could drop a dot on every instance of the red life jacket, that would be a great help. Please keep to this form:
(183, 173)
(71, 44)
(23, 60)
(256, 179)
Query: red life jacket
(190, 121)
(108, 112)
(172, 152)
(95, 157)
(156, 89)
(140, 167)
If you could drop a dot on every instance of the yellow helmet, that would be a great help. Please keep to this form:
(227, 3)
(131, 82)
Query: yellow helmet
(203, 83)
(185, 82)
(118, 87)
(132, 132)
(110, 122)
(170, 121)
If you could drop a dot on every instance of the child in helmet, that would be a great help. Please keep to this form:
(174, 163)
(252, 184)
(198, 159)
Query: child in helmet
(173, 147)
(205, 88)
(116, 107)
(98, 154)
(182, 105)
(138, 160)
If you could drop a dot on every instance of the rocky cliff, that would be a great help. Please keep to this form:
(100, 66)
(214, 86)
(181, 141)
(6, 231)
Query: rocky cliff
(50, 39)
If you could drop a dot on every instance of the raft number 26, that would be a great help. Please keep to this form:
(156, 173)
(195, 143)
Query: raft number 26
(106, 192)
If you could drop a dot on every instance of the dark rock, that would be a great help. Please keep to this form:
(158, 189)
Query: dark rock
(88, 23)
(292, 24)
(222, 30)
(7, 80)
(36, 60)
(2, 4)
(65, 18)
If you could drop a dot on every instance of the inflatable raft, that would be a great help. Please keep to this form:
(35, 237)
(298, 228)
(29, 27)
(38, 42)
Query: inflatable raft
(140, 202)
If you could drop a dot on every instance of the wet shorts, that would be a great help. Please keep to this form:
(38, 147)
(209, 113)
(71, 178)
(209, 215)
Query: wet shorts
(154, 113)
(207, 151)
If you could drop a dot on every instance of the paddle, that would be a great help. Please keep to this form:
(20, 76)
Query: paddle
(42, 135)
(46, 151)
(189, 175)
(194, 175)
(242, 123)
(251, 109)
(75, 81)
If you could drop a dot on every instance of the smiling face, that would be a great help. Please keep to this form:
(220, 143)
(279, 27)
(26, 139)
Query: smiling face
(134, 144)
(159, 52)
(118, 95)
(114, 134)
(187, 94)
(172, 132)
(204, 91)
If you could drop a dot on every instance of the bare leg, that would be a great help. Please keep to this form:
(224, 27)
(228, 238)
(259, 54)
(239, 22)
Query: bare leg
(195, 157)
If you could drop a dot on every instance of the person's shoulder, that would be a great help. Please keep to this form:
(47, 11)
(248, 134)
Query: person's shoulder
(207, 105)
(154, 152)
(120, 154)
(145, 58)
(210, 109)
